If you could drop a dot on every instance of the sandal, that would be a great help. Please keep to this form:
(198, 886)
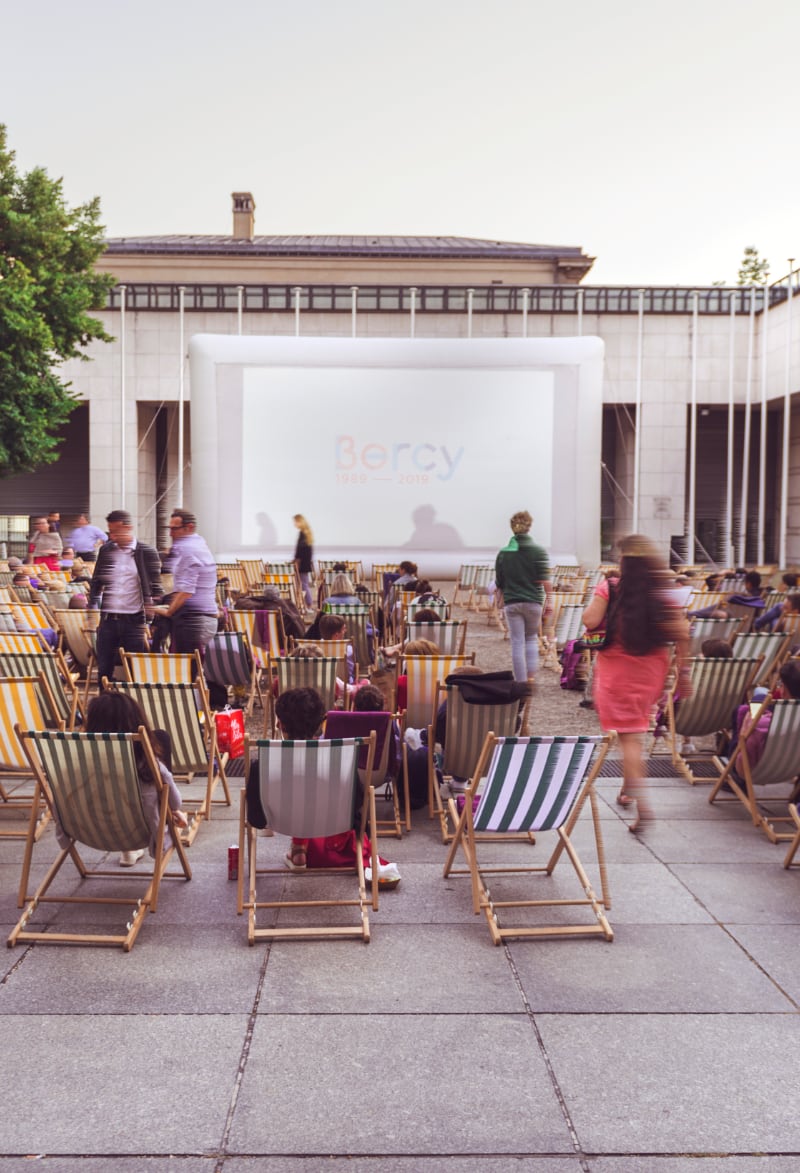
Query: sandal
(624, 799)
(296, 858)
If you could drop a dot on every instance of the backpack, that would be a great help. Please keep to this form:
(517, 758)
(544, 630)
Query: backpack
(573, 668)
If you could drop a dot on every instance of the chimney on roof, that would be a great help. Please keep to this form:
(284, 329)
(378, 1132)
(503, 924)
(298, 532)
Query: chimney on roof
(244, 207)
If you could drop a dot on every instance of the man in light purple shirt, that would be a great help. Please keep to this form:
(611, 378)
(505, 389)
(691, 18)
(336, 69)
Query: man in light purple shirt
(85, 539)
(193, 608)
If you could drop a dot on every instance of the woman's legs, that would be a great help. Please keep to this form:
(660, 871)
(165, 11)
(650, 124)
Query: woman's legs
(633, 776)
(305, 587)
(523, 632)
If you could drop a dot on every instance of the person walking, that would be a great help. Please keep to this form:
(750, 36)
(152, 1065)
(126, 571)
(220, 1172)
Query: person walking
(125, 583)
(193, 607)
(631, 668)
(303, 555)
(45, 545)
(85, 539)
(522, 575)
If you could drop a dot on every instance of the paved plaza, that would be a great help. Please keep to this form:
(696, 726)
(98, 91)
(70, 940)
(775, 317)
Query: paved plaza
(672, 1049)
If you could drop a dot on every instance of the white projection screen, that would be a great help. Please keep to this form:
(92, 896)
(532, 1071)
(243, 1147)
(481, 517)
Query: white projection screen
(396, 448)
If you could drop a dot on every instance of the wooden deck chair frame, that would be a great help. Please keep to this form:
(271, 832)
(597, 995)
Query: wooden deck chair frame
(343, 723)
(314, 672)
(794, 814)
(532, 784)
(161, 667)
(718, 687)
(253, 570)
(771, 646)
(91, 785)
(779, 762)
(52, 665)
(308, 789)
(466, 728)
(229, 662)
(184, 712)
(26, 703)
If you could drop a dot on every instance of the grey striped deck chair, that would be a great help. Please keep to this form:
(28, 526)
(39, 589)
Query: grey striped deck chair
(183, 711)
(357, 616)
(55, 671)
(74, 626)
(330, 648)
(450, 636)
(778, 764)
(309, 789)
(745, 614)
(771, 646)
(718, 687)
(314, 672)
(91, 783)
(532, 785)
(229, 661)
(467, 725)
(23, 705)
(705, 628)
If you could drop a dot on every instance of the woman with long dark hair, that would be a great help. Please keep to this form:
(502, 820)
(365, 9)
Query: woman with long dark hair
(631, 669)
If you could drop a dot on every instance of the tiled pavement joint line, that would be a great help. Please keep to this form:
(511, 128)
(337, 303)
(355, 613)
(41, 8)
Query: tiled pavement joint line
(548, 1066)
(245, 1054)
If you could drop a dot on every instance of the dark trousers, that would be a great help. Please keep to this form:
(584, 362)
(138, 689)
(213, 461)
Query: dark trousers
(191, 631)
(115, 632)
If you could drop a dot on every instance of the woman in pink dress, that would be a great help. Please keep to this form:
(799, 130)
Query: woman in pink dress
(631, 669)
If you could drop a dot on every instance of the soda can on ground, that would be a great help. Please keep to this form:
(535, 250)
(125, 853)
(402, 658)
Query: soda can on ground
(233, 862)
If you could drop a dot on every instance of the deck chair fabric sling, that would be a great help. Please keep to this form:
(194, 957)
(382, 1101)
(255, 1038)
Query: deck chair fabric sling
(532, 785)
(91, 783)
(229, 662)
(182, 710)
(718, 688)
(450, 636)
(309, 789)
(161, 667)
(22, 641)
(475, 707)
(23, 705)
(53, 667)
(772, 647)
(357, 616)
(778, 763)
(706, 628)
(423, 673)
(73, 626)
(314, 672)
(339, 723)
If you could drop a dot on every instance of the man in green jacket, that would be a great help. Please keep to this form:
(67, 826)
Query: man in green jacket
(522, 574)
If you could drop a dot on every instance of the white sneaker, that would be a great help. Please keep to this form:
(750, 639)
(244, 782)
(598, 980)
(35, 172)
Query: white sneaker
(129, 858)
(688, 747)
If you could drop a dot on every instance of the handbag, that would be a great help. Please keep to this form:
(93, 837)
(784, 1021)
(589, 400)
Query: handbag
(230, 732)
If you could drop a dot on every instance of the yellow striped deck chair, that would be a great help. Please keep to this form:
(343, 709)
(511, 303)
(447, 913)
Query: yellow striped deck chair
(772, 647)
(778, 763)
(378, 571)
(237, 580)
(21, 706)
(253, 569)
(450, 636)
(267, 641)
(466, 728)
(718, 688)
(309, 790)
(183, 711)
(32, 615)
(53, 667)
(705, 628)
(91, 784)
(161, 667)
(357, 616)
(699, 600)
(285, 583)
(73, 626)
(423, 674)
(532, 785)
(304, 672)
(23, 641)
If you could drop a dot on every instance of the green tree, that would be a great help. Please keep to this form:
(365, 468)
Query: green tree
(47, 288)
(754, 269)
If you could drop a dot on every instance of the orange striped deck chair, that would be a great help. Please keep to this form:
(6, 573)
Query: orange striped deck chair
(32, 615)
(253, 569)
(161, 667)
(23, 641)
(423, 674)
(24, 704)
(330, 648)
(53, 667)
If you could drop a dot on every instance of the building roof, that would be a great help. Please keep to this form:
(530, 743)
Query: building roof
(431, 247)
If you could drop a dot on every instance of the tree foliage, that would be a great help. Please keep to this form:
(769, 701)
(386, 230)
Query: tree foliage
(47, 289)
(754, 269)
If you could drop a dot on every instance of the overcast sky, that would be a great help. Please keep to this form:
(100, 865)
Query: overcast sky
(659, 137)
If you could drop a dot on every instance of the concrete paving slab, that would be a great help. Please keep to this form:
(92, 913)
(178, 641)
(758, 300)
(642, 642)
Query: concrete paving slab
(745, 893)
(402, 1107)
(116, 1084)
(506, 1163)
(721, 1163)
(776, 949)
(428, 969)
(675, 1084)
(648, 969)
(675, 841)
(57, 1163)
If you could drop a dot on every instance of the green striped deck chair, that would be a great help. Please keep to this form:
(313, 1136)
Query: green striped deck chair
(91, 783)
(74, 626)
(441, 609)
(702, 629)
(423, 674)
(55, 671)
(309, 789)
(182, 710)
(464, 581)
(481, 589)
(779, 763)
(331, 648)
(450, 636)
(772, 647)
(467, 726)
(718, 688)
(21, 707)
(304, 672)
(357, 616)
(532, 785)
(229, 661)
(161, 667)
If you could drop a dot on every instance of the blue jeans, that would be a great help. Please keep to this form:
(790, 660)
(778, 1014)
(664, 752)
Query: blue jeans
(305, 587)
(523, 621)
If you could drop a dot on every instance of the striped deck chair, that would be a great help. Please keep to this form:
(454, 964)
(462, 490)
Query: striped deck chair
(399, 600)
(53, 667)
(308, 789)
(357, 617)
(229, 661)
(568, 625)
(378, 571)
(441, 609)
(467, 725)
(32, 616)
(8, 595)
(339, 723)
(482, 590)
(24, 703)
(423, 674)
(702, 629)
(304, 672)
(253, 570)
(779, 763)
(790, 622)
(237, 580)
(746, 615)
(23, 641)
(330, 648)
(264, 630)
(699, 600)
(161, 667)
(6, 619)
(532, 784)
(464, 580)
(91, 783)
(732, 584)
(718, 688)
(285, 583)
(183, 711)
(771, 647)
(450, 636)
(773, 598)
(73, 626)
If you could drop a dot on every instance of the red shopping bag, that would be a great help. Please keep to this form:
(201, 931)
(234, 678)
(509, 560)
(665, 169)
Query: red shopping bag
(230, 732)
